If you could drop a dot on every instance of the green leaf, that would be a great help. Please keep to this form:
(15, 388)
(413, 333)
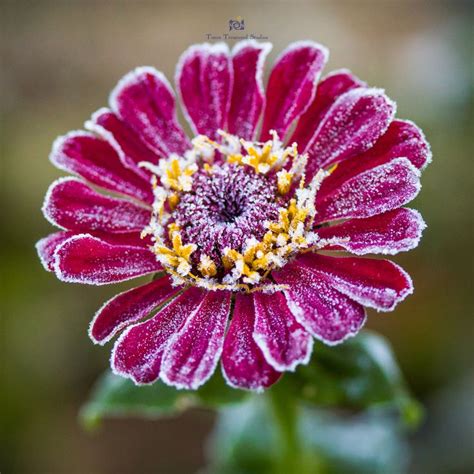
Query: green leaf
(115, 396)
(360, 373)
(245, 441)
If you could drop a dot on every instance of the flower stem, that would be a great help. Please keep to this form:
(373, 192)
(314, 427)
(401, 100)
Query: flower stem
(285, 412)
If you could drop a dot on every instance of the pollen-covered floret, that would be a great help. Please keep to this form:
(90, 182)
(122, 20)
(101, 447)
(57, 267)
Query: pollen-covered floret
(229, 220)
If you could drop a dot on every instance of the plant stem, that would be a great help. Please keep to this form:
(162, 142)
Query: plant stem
(285, 414)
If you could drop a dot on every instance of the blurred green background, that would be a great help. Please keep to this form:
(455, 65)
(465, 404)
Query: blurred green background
(60, 59)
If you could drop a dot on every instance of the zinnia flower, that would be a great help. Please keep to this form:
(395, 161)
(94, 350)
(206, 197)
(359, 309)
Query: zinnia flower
(242, 230)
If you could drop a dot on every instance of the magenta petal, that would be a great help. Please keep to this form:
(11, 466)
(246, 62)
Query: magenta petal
(325, 312)
(248, 96)
(402, 139)
(243, 363)
(355, 121)
(127, 144)
(129, 307)
(283, 341)
(329, 89)
(47, 246)
(138, 352)
(380, 284)
(145, 100)
(90, 260)
(95, 160)
(72, 204)
(204, 79)
(292, 85)
(193, 353)
(389, 233)
(372, 192)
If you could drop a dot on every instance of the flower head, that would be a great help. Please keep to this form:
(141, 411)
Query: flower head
(243, 225)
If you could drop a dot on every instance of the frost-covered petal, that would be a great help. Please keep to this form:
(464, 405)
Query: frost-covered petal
(354, 122)
(47, 246)
(138, 352)
(248, 96)
(72, 204)
(89, 260)
(194, 351)
(325, 312)
(126, 142)
(380, 284)
(243, 363)
(95, 160)
(372, 192)
(329, 89)
(145, 100)
(292, 85)
(283, 341)
(129, 307)
(204, 80)
(402, 139)
(388, 233)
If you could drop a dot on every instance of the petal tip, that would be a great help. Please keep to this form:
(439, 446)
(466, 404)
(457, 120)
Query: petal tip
(306, 44)
(265, 47)
(132, 77)
(40, 247)
(117, 370)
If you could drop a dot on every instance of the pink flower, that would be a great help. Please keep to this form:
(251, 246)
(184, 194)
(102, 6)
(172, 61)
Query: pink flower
(233, 228)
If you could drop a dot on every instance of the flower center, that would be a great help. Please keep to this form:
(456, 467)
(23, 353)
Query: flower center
(229, 212)
(224, 208)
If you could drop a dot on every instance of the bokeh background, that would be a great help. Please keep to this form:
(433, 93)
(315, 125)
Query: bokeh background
(59, 61)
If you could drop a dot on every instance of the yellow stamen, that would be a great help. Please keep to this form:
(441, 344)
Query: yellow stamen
(207, 267)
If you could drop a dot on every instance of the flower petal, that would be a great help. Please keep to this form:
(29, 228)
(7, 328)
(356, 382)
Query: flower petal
(193, 353)
(145, 100)
(89, 260)
(95, 160)
(72, 204)
(283, 341)
(329, 90)
(389, 233)
(248, 96)
(138, 351)
(292, 85)
(204, 79)
(355, 121)
(47, 246)
(402, 139)
(243, 363)
(380, 284)
(325, 312)
(129, 307)
(372, 192)
(127, 144)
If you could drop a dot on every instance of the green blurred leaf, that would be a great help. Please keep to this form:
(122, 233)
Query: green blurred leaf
(359, 373)
(115, 396)
(245, 442)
